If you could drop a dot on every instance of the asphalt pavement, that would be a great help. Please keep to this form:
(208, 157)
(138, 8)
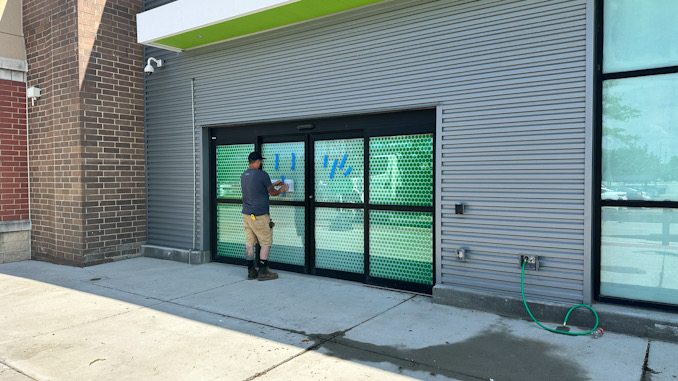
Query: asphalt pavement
(145, 319)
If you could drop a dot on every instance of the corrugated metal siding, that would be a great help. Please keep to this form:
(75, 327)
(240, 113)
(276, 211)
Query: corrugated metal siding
(169, 178)
(510, 76)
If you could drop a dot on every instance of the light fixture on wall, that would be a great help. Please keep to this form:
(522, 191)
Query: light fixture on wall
(33, 93)
(149, 68)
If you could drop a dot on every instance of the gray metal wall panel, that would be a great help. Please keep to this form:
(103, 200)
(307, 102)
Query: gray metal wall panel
(169, 179)
(509, 77)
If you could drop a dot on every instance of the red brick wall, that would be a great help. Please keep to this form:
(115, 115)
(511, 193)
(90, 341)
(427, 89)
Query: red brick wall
(13, 152)
(86, 132)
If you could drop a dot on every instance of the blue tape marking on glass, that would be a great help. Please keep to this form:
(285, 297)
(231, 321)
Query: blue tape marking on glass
(347, 171)
(283, 180)
(325, 163)
(334, 167)
(276, 161)
(293, 161)
(343, 161)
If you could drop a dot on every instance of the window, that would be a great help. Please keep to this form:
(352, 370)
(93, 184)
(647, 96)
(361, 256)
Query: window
(639, 151)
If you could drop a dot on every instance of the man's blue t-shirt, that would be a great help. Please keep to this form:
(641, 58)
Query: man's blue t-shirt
(254, 184)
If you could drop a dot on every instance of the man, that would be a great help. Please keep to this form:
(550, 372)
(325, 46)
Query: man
(256, 187)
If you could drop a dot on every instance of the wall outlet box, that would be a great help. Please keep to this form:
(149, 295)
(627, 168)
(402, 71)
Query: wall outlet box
(461, 255)
(531, 262)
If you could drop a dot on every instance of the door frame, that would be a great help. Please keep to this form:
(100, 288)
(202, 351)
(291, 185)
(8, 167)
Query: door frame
(364, 126)
(272, 139)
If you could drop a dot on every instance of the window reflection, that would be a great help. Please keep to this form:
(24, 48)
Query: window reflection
(640, 138)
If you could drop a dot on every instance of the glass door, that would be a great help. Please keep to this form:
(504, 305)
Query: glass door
(286, 161)
(338, 206)
(360, 203)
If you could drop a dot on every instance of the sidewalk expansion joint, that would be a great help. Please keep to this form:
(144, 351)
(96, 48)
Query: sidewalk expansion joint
(16, 370)
(81, 324)
(235, 317)
(382, 312)
(647, 372)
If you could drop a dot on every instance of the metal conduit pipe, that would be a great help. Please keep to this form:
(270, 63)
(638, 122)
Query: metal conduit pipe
(195, 176)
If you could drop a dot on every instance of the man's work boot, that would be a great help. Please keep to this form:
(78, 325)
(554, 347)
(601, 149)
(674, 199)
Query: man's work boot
(252, 273)
(265, 273)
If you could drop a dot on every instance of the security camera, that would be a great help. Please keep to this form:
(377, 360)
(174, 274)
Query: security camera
(149, 68)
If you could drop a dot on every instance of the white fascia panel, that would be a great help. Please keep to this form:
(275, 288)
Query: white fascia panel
(185, 15)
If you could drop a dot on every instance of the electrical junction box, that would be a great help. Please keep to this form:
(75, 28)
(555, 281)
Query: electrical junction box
(458, 208)
(33, 92)
(531, 262)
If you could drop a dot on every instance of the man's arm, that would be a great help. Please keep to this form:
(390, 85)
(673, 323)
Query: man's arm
(276, 192)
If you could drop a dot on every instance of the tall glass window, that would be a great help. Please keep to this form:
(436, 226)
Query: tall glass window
(639, 148)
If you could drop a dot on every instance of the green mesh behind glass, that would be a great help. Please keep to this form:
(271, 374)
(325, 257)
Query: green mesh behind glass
(339, 239)
(231, 163)
(230, 231)
(338, 166)
(401, 246)
(401, 170)
(288, 234)
(291, 165)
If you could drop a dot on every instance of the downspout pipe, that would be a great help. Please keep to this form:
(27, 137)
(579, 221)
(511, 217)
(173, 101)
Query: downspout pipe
(193, 166)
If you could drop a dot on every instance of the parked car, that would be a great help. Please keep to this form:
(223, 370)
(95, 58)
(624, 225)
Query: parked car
(635, 194)
(609, 194)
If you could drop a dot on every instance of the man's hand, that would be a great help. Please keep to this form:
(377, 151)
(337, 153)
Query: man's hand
(276, 192)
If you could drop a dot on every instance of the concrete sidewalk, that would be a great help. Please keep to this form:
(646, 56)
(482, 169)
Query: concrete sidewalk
(152, 319)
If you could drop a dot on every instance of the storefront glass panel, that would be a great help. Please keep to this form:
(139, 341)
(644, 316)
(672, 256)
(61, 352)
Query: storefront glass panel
(230, 231)
(639, 34)
(639, 249)
(640, 138)
(231, 163)
(411, 258)
(338, 166)
(339, 239)
(401, 170)
(286, 161)
(289, 234)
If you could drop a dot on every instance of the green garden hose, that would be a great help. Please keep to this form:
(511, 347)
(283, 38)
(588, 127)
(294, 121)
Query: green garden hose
(522, 291)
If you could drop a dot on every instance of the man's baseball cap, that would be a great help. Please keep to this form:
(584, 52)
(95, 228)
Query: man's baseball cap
(255, 156)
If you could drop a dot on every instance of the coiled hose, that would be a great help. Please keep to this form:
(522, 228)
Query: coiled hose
(522, 291)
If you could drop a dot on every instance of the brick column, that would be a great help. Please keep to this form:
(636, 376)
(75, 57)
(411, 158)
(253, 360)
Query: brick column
(14, 221)
(86, 132)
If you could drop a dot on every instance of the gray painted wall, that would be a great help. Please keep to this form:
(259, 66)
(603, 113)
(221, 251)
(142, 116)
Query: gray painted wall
(509, 78)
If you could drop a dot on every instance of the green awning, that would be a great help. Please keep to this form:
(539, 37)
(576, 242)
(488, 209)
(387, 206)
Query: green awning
(235, 25)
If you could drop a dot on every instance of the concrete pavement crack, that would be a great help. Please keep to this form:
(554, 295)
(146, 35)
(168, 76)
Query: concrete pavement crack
(154, 298)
